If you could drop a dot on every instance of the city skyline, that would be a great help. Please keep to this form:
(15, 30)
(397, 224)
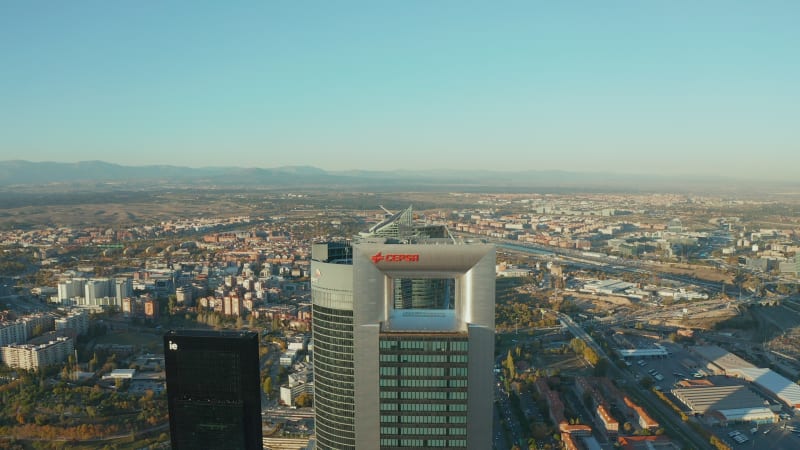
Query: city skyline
(679, 89)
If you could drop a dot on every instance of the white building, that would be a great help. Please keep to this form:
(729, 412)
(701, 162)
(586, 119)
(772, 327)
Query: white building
(123, 287)
(32, 357)
(288, 358)
(290, 393)
(297, 343)
(95, 289)
(70, 289)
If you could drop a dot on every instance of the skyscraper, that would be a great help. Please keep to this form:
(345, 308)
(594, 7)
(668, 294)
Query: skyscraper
(213, 389)
(403, 340)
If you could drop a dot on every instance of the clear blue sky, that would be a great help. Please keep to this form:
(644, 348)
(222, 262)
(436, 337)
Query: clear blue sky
(681, 87)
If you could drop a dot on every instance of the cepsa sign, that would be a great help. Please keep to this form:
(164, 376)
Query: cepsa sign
(395, 257)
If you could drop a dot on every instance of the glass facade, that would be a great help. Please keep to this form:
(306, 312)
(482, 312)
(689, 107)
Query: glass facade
(213, 389)
(423, 391)
(417, 332)
(333, 377)
(424, 293)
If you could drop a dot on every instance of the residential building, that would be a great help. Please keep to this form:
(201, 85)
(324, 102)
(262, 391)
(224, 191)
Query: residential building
(33, 357)
(13, 332)
(77, 320)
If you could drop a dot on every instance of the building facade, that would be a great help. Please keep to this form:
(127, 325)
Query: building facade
(33, 357)
(213, 389)
(403, 341)
(13, 332)
(76, 320)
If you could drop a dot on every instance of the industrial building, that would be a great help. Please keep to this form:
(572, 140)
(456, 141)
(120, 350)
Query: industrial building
(719, 361)
(772, 383)
(726, 403)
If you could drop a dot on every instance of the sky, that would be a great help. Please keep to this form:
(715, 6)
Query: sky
(664, 87)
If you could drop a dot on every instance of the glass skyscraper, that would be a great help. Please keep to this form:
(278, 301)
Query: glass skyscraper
(213, 389)
(403, 329)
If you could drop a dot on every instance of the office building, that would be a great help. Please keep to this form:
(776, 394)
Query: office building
(403, 323)
(213, 389)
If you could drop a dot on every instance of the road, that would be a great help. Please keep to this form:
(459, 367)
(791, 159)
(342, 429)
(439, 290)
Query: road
(515, 432)
(650, 402)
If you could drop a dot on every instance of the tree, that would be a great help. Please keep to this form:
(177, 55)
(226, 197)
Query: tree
(509, 364)
(303, 400)
(577, 345)
(268, 385)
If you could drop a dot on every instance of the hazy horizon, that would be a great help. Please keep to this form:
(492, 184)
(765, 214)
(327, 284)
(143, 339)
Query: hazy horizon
(629, 88)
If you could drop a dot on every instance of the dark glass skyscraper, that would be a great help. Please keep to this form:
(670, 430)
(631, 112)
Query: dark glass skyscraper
(213, 389)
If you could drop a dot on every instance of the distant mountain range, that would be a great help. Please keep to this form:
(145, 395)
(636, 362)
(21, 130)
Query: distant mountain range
(103, 175)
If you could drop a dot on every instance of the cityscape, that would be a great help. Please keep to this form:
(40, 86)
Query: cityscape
(615, 320)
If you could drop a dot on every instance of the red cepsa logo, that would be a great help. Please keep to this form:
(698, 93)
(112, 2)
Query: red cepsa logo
(394, 257)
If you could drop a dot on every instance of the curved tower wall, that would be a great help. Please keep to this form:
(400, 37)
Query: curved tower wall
(334, 379)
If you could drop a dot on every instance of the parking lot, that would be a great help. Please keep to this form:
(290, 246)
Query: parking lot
(680, 364)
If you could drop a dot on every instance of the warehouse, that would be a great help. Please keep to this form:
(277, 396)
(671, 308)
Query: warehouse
(760, 415)
(773, 383)
(719, 360)
(731, 402)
